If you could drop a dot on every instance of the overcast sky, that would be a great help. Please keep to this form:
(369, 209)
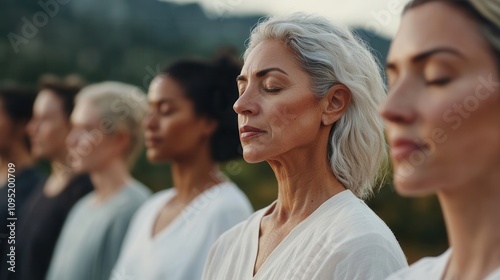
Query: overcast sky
(381, 16)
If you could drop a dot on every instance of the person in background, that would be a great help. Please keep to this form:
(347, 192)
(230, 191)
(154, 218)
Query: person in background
(191, 125)
(18, 174)
(442, 118)
(47, 208)
(309, 92)
(105, 141)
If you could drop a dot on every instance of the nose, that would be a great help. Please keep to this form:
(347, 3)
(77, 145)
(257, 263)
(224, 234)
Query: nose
(71, 139)
(246, 104)
(150, 122)
(400, 104)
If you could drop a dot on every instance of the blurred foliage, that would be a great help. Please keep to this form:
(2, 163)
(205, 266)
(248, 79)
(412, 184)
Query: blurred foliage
(131, 40)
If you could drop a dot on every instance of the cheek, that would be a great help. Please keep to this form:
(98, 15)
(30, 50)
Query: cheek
(100, 152)
(53, 129)
(294, 122)
(179, 132)
(459, 128)
(106, 144)
(173, 129)
(3, 125)
(4, 135)
(468, 122)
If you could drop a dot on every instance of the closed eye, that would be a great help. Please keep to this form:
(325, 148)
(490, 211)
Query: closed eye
(439, 82)
(272, 90)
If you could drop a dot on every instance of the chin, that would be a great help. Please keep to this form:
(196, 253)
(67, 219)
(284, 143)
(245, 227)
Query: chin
(155, 157)
(83, 167)
(78, 169)
(37, 152)
(411, 191)
(413, 185)
(38, 155)
(252, 156)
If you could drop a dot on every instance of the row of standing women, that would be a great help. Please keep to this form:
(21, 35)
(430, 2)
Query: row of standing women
(312, 104)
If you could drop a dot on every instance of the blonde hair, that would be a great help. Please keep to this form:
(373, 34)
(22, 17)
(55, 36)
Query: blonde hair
(124, 106)
(332, 55)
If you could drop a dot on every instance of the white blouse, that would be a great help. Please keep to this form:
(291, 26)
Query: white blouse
(342, 239)
(180, 250)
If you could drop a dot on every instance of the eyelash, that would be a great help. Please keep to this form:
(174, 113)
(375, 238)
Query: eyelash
(439, 82)
(159, 112)
(241, 91)
(272, 90)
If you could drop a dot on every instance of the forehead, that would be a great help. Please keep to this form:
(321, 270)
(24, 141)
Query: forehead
(165, 87)
(85, 113)
(269, 54)
(425, 27)
(47, 101)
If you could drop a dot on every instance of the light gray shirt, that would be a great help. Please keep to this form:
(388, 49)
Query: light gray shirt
(92, 235)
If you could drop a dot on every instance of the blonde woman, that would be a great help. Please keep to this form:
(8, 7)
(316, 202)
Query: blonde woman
(105, 140)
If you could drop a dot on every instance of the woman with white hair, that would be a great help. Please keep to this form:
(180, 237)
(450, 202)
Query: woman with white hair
(105, 140)
(308, 101)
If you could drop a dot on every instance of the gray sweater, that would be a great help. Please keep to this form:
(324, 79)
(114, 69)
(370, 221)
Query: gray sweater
(92, 235)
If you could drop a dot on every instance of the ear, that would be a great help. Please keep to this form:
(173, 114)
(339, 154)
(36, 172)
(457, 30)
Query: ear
(336, 102)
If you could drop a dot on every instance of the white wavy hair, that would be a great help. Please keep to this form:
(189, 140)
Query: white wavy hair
(124, 106)
(331, 55)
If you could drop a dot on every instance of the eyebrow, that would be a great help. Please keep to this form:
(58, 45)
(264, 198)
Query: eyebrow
(262, 73)
(425, 55)
(161, 101)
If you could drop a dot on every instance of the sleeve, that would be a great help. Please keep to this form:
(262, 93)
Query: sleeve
(210, 262)
(364, 258)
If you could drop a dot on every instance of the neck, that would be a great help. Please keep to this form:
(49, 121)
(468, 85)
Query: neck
(109, 179)
(305, 181)
(60, 170)
(473, 225)
(19, 156)
(193, 175)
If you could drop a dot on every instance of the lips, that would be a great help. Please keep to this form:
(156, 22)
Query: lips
(402, 149)
(152, 142)
(248, 132)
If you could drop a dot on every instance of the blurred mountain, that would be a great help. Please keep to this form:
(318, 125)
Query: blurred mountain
(127, 40)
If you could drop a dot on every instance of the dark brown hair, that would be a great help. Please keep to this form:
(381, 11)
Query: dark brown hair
(65, 89)
(211, 86)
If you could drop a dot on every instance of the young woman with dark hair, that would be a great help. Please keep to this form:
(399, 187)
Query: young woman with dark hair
(191, 125)
(48, 207)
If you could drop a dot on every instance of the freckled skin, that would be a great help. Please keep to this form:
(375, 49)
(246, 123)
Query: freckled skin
(291, 117)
